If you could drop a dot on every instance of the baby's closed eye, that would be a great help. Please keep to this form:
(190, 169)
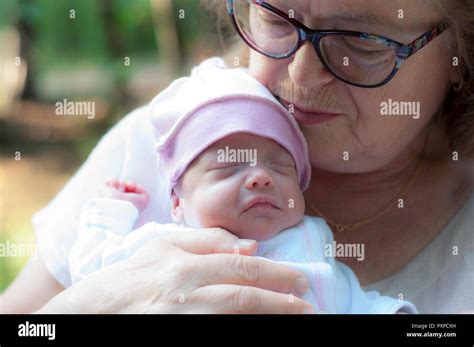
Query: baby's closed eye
(223, 166)
(283, 166)
(282, 163)
(222, 170)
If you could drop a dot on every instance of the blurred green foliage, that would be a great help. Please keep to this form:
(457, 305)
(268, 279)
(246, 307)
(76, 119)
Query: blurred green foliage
(96, 30)
(59, 33)
(86, 52)
(8, 12)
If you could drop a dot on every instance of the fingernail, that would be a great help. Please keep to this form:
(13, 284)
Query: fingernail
(246, 243)
(301, 285)
(309, 310)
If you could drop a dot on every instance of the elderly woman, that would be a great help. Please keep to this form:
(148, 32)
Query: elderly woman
(384, 93)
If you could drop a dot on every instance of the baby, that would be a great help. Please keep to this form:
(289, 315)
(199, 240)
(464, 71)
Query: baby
(232, 157)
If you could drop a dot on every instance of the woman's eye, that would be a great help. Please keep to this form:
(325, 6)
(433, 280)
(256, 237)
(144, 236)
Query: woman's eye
(271, 19)
(275, 24)
(367, 49)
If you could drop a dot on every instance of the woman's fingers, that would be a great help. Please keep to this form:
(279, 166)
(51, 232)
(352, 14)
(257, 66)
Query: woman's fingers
(251, 271)
(243, 299)
(210, 240)
(204, 278)
(214, 268)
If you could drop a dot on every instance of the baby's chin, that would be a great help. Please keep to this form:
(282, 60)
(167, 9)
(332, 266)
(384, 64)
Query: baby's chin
(260, 228)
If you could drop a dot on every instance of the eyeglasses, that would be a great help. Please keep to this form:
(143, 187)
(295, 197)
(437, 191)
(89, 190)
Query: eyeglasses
(357, 58)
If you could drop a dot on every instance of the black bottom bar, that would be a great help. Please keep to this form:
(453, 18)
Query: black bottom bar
(317, 330)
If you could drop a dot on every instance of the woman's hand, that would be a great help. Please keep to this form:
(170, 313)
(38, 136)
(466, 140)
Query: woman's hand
(196, 271)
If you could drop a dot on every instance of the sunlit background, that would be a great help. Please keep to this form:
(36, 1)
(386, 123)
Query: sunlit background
(115, 53)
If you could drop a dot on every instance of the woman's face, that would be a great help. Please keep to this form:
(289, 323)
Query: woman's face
(366, 134)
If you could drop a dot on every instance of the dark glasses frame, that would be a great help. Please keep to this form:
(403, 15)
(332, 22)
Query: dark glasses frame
(402, 51)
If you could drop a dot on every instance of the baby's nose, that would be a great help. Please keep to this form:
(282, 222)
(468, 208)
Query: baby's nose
(258, 177)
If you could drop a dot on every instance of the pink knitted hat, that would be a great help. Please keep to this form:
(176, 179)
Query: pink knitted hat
(214, 102)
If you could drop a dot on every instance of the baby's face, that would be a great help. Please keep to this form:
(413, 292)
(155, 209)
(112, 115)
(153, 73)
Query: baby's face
(255, 199)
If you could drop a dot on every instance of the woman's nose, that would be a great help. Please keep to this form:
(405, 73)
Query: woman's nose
(306, 69)
(257, 178)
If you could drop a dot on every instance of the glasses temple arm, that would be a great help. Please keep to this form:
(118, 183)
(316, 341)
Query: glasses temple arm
(426, 38)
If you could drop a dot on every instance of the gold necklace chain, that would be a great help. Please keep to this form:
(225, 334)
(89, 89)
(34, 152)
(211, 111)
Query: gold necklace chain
(352, 226)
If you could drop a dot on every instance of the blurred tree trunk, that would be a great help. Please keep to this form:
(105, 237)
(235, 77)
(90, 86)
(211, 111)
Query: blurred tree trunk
(166, 33)
(13, 68)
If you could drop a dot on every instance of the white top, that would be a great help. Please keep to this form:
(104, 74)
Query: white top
(441, 278)
(127, 152)
(107, 236)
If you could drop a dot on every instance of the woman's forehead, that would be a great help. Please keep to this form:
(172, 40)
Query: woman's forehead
(401, 20)
(376, 12)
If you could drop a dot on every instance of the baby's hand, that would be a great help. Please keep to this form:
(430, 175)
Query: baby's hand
(129, 191)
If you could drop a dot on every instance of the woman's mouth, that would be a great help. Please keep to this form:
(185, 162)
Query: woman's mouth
(306, 116)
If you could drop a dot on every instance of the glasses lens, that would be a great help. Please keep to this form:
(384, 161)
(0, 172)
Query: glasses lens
(263, 30)
(356, 60)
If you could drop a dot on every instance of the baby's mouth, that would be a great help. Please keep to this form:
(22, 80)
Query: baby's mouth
(261, 203)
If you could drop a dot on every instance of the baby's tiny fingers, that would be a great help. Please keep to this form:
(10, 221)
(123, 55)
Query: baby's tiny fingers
(121, 186)
(139, 189)
(131, 187)
(110, 183)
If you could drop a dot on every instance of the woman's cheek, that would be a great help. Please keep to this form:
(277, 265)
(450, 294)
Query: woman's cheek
(263, 68)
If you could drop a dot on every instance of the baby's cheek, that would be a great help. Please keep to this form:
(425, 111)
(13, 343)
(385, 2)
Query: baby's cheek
(212, 211)
(295, 204)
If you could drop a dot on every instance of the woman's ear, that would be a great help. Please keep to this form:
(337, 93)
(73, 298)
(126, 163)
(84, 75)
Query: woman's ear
(177, 208)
